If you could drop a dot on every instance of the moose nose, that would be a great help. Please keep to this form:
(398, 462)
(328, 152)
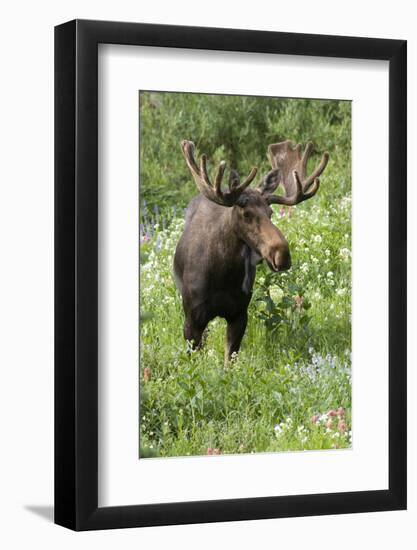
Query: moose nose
(282, 259)
(284, 262)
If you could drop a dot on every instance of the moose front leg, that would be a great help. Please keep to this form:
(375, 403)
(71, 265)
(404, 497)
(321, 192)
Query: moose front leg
(193, 332)
(235, 331)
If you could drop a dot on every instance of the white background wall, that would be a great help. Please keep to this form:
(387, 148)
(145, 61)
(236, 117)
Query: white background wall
(26, 272)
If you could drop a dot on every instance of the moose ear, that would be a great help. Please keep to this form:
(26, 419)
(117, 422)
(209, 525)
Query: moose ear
(270, 182)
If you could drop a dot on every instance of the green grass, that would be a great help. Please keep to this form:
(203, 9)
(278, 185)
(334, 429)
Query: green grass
(295, 357)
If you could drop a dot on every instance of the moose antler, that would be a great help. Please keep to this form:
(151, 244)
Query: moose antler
(289, 168)
(211, 191)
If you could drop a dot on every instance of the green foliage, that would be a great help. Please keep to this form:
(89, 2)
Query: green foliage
(237, 129)
(295, 358)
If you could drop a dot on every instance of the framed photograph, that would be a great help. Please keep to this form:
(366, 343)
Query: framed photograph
(230, 254)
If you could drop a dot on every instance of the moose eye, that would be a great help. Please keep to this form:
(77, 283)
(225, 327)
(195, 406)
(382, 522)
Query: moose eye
(247, 215)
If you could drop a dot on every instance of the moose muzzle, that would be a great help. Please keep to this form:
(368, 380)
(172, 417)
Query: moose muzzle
(279, 258)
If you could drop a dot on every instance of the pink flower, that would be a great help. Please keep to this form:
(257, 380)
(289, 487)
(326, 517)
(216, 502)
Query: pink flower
(329, 424)
(282, 212)
(211, 451)
(299, 300)
(332, 413)
(341, 412)
(290, 211)
(146, 374)
(342, 427)
(314, 418)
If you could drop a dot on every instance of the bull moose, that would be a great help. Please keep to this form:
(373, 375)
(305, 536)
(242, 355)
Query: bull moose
(227, 233)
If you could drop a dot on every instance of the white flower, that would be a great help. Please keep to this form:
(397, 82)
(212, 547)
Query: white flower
(276, 293)
(278, 429)
(341, 291)
(330, 274)
(344, 253)
(304, 268)
(317, 238)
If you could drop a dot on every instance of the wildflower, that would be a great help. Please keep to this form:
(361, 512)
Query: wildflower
(344, 253)
(314, 419)
(341, 412)
(276, 293)
(329, 424)
(158, 243)
(317, 238)
(330, 274)
(299, 300)
(211, 451)
(304, 268)
(342, 426)
(290, 211)
(341, 291)
(146, 374)
(281, 212)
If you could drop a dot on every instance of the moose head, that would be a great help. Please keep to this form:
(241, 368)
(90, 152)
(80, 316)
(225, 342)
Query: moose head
(251, 208)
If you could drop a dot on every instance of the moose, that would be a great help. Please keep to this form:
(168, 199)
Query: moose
(228, 232)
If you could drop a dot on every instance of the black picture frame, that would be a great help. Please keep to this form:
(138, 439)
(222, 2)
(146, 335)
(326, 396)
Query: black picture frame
(76, 272)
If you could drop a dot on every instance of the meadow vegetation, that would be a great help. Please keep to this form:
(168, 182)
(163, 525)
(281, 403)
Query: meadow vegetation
(290, 386)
